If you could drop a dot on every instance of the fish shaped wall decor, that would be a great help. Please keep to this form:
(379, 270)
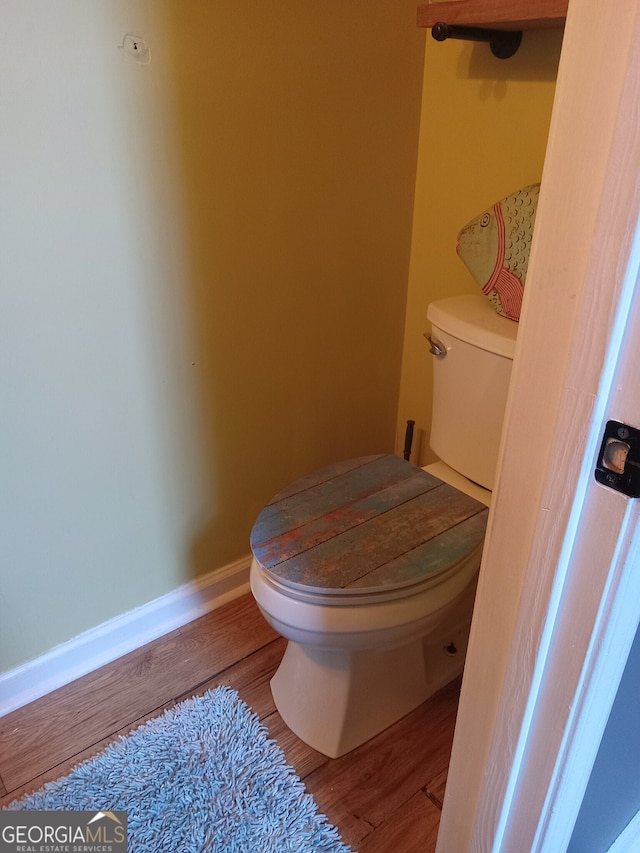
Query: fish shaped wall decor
(495, 248)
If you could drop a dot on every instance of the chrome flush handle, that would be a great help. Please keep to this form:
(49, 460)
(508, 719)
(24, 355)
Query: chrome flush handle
(436, 348)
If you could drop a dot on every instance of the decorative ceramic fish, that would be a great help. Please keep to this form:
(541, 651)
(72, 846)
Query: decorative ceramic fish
(495, 249)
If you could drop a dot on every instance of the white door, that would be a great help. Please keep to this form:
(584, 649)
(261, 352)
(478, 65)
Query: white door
(559, 594)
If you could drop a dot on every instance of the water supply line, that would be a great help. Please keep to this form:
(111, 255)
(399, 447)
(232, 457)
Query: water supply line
(408, 439)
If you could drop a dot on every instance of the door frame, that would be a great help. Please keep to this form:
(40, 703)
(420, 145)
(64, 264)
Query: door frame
(556, 605)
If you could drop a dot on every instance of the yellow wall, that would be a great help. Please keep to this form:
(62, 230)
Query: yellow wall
(483, 134)
(298, 136)
(203, 279)
(204, 270)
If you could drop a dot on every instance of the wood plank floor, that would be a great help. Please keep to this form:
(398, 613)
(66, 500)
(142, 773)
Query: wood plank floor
(386, 795)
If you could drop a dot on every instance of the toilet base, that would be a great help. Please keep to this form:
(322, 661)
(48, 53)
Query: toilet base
(335, 700)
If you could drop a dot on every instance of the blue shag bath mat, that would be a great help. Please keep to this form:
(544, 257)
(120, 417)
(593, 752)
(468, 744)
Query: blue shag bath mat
(202, 777)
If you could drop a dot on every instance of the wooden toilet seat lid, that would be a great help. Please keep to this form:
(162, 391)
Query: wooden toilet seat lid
(366, 524)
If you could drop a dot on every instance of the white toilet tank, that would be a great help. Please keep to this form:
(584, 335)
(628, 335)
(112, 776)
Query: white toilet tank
(470, 383)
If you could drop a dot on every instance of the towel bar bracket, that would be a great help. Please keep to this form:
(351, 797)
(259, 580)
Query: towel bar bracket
(503, 43)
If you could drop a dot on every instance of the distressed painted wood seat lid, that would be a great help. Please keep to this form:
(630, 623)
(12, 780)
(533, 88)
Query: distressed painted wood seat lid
(366, 524)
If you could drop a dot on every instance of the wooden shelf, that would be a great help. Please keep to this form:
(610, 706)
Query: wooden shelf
(498, 14)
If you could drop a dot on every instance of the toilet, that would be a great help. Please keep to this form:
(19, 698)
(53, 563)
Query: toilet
(368, 567)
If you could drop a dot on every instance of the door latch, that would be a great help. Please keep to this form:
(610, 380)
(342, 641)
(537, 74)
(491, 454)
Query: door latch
(618, 464)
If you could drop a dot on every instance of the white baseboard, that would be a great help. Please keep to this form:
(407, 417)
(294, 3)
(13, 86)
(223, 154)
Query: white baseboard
(104, 643)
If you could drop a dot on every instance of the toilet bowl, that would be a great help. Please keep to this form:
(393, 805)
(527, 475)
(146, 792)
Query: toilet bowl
(368, 568)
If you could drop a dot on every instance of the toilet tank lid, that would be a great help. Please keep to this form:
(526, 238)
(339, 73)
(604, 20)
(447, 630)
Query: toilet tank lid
(474, 320)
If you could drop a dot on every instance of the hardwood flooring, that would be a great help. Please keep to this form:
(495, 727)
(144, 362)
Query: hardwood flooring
(384, 796)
